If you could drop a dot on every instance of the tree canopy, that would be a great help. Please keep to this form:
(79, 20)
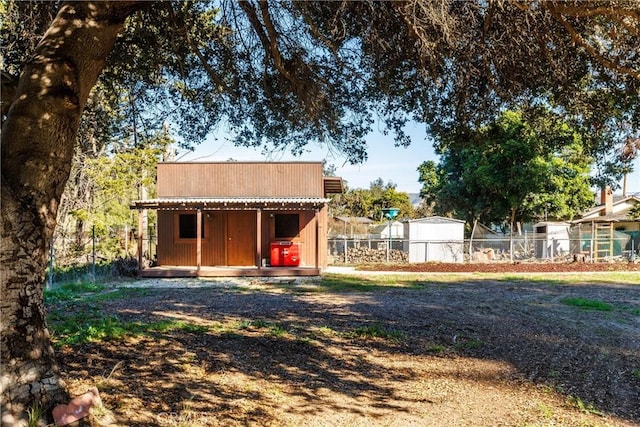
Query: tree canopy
(369, 202)
(283, 74)
(511, 170)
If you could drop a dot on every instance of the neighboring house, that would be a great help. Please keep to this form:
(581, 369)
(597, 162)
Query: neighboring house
(435, 238)
(607, 230)
(255, 218)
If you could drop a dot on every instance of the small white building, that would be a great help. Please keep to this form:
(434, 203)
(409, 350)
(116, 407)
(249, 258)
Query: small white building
(552, 239)
(435, 238)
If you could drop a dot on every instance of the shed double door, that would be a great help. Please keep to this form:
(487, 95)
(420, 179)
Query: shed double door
(233, 240)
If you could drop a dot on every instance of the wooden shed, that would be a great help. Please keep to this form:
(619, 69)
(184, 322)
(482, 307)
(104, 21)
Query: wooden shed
(255, 219)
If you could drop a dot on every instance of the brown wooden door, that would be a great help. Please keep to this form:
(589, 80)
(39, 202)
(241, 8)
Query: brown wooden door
(214, 249)
(241, 238)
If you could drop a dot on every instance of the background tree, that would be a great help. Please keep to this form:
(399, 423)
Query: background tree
(369, 203)
(278, 74)
(113, 181)
(386, 196)
(511, 171)
(429, 178)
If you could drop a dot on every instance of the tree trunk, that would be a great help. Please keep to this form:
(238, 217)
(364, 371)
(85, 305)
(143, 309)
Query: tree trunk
(38, 137)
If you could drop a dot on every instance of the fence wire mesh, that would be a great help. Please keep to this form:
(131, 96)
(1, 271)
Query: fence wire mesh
(524, 248)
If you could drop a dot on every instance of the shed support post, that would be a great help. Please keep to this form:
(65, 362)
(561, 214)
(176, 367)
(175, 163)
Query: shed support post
(259, 238)
(318, 245)
(198, 239)
(140, 237)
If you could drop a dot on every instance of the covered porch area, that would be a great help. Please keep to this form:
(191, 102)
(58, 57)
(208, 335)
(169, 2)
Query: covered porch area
(232, 237)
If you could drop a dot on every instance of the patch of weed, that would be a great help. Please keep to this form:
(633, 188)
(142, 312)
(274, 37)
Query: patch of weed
(437, 349)
(82, 287)
(91, 326)
(586, 408)
(636, 373)
(70, 291)
(258, 324)
(326, 330)
(277, 330)
(587, 304)
(274, 329)
(56, 296)
(348, 284)
(344, 283)
(35, 413)
(375, 330)
(172, 325)
(469, 344)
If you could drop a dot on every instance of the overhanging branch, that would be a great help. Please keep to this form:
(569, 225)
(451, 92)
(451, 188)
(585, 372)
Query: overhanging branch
(269, 41)
(577, 38)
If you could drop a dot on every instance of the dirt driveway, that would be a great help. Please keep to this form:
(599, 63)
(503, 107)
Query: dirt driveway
(371, 351)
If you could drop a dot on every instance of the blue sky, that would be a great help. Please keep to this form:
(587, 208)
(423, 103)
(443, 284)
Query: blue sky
(386, 161)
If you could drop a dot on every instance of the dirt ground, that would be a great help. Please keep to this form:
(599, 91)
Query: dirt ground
(416, 351)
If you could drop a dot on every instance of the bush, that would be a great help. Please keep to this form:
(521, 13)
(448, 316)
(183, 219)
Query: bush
(126, 267)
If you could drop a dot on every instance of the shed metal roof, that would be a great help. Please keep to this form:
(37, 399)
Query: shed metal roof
(220, 203)
(437, 220)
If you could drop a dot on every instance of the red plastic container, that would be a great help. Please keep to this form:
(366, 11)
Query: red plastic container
(285, 254)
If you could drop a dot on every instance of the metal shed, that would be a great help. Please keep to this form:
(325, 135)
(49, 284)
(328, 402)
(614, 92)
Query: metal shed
(435, 238)
(552, 239)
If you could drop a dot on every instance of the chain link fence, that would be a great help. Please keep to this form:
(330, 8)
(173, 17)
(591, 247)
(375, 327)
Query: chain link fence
(97, 253)
(114, 251)
(585, 248)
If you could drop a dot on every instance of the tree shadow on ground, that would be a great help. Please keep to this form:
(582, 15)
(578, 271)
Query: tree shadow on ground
(304, 345)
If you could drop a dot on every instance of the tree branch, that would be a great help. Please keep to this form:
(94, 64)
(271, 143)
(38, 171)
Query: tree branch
(585, 10)
(577, 38)
(215, 78)
(270, 41)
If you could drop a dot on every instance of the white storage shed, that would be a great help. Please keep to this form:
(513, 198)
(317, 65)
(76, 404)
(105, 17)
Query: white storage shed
(435, 238)
(552, 239)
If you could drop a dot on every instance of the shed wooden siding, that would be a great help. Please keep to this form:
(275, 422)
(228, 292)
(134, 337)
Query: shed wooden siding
(240, 179)
(171, 251)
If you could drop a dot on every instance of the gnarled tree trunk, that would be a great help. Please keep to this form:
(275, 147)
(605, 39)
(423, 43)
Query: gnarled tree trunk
(38, 137)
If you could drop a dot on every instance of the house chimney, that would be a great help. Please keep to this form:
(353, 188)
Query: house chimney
(606, 199)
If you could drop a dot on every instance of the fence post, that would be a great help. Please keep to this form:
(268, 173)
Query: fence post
(511, 243)
(345, 250)
(473, 230)
(591, 250)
